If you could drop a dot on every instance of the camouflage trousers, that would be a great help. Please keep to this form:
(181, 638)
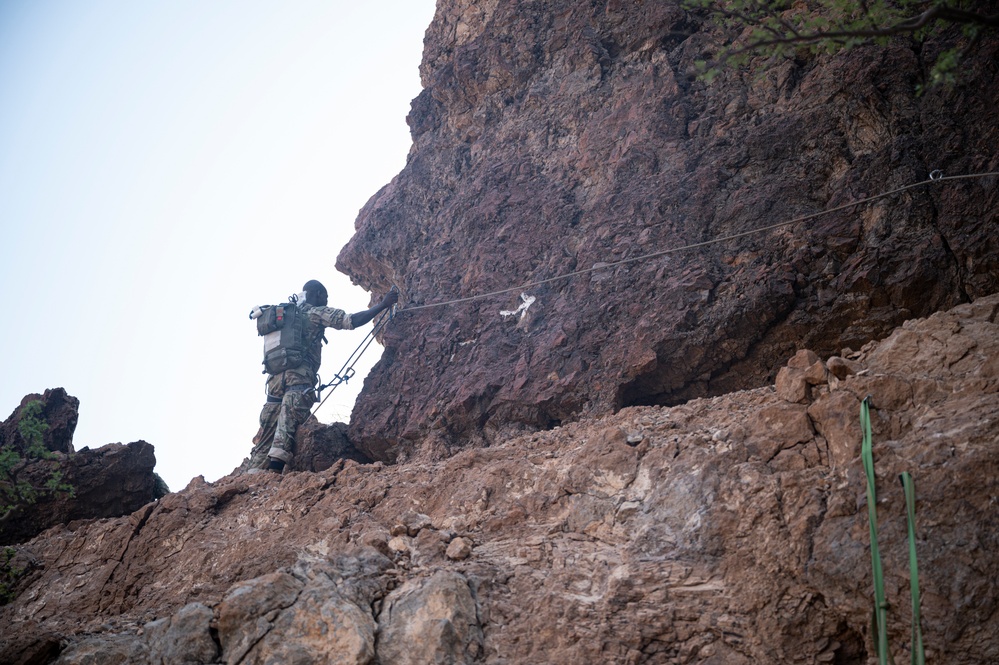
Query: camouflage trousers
(286, 409)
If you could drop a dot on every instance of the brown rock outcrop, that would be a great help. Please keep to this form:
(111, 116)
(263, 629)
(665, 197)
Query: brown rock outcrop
(59, 410)
(725, 530)
(318, 447)
(562, 136)
(110, 481)
(431, 620)
(321, 446)
(312, 614)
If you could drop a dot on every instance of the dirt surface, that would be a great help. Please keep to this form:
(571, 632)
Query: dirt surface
(726, 530)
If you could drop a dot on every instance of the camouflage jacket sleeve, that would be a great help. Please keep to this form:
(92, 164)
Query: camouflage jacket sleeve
(330, 317)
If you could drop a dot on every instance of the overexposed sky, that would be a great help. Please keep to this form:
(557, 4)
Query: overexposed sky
(165, 166)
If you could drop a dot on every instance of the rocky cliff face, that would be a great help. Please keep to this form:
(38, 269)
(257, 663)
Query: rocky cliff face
(726, 530)
(561, 136)
(673, 473)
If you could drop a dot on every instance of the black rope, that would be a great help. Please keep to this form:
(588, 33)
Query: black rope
(347, 370)
(934, 177)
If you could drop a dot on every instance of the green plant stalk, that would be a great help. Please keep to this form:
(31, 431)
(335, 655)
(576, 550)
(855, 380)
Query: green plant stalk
(918, 655)
(9, 575)
(880, 604)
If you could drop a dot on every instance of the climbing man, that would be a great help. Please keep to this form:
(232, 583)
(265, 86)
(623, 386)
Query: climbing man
(292, 354)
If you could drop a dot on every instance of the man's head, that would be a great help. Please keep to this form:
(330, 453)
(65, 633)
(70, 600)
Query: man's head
(315, 293)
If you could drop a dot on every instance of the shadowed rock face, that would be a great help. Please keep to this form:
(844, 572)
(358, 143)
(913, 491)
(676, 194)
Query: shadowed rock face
(60, 412)
(724, 530)
(109, 481)
(559, 136)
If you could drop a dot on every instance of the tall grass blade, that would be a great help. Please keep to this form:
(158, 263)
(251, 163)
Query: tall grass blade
(880, 604)
(918, 656)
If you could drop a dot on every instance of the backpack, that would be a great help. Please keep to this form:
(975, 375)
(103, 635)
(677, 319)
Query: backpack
(284, 328)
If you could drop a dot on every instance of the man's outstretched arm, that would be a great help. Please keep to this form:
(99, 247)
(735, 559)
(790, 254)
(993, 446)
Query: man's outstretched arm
(360, 318)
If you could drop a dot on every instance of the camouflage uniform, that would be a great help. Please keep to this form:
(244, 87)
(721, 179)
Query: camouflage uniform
(291, 394)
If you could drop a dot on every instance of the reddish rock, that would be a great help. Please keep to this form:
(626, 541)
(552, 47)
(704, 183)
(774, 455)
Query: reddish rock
(185, 637)
(720, 530)
(792, 386)
(835, 416)
(430, 621)
(803, 359)
(553, 137)
(113, 480)
(816, 374)
(841, 367)
(59, 410)
(779, 427)
(459, 549)
(321, 446)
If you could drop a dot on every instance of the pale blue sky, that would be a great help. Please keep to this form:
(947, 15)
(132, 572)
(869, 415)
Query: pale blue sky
(165, 166)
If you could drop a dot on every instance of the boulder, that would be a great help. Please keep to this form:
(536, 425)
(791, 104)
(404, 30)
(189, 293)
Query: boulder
(431, 620)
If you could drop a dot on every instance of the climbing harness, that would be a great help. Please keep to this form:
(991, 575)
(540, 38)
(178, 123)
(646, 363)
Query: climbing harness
(935, 177)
